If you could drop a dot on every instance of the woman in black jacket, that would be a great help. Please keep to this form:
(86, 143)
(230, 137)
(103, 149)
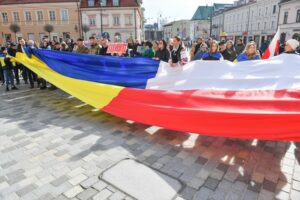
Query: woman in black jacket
(229, 53)
(162, 53)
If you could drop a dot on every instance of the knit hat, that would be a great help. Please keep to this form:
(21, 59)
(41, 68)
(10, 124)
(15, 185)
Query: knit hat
(293, 43)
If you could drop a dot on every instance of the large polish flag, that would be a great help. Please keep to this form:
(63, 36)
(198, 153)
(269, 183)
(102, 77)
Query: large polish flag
(273, 48)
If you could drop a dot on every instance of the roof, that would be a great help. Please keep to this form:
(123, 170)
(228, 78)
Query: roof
(10, 2)
(204, 12)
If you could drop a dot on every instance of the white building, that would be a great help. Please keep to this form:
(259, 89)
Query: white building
(179, 28)
(122, 19)
(289, 19)
(251, 20)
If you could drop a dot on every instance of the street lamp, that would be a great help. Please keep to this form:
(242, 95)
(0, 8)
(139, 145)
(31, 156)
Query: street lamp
(101, 28)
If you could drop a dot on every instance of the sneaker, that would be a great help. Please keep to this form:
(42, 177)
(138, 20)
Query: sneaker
(43, 88)
(14, 88)
(31, 86)
(7, 89)
(26, 82)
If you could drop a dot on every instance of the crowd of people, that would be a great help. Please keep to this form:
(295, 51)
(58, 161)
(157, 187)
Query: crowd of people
(173, 52)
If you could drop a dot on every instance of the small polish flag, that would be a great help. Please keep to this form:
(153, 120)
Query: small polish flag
(273, 48)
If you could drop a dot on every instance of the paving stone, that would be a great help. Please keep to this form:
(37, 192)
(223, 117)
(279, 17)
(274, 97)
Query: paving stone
(269, 185)
(78, 179)
(104, 194)
(126, 176)
(60, 180)
(187, 193)
(223, 167)
(295, 195)
(89, 182)
(73, 191)
(255, 187)
(47, 196)
(8, 164)
(196, 183)
(100, 185)
(117, 196)
(250, 195)
(201, 160)
(296, 185)
(218, 195)
(203, 194)
(211, 183)
(26, 190)
(87, 194)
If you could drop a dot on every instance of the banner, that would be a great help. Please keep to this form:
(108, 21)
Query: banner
(119, 48)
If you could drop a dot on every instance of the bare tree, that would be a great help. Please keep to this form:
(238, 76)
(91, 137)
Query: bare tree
(15, 28)
(48, 28)
(85, 29)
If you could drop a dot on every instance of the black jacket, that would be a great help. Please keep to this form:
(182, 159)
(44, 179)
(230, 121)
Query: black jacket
(229, 55)
(163, 55)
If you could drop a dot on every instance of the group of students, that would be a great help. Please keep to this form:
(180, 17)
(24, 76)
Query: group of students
(175, 53)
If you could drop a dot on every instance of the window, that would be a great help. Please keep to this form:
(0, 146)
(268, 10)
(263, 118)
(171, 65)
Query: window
(274, 9)
(265, 25)
(258, 26)
(16, 17)
(266, 11)
(52, 15)
(128, 20)
(64, 15)
(298, 16)
(4, 17)
(28, 16)
(285, 18)
(91, 3)
(103, 2)
(273, 24)
(116, 20)
(116, 2)
(92, 20)
(40, 16)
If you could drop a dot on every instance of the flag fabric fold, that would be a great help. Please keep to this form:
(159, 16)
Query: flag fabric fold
(257, 99)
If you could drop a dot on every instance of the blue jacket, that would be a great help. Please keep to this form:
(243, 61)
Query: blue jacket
(213, 56)
(243, 57)
(199, 54)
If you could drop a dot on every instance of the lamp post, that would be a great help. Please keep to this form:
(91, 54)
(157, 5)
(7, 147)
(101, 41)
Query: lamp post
(101, 27)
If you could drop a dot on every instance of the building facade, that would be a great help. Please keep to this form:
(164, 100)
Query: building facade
(33, 15)
(251, 20)
(121, 19)
(179, 28)
(289, 19)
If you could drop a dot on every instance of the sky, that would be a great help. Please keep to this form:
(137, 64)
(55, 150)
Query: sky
(174, 9)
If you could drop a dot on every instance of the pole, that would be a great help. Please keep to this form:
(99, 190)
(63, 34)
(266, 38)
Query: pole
(101, 17)
(79, 18)
(135, 25)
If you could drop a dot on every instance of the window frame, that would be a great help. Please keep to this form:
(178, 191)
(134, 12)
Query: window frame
(50, 15)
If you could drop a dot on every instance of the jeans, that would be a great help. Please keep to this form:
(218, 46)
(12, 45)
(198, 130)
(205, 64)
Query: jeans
(30, 75)
(9, 77)
(1, 75)
(16, 72)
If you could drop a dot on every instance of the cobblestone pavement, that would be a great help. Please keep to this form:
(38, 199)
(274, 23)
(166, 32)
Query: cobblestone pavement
(53, 146)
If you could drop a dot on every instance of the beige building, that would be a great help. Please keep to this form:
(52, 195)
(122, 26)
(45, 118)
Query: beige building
(121, 19)
(289, 19)
(33, 15)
